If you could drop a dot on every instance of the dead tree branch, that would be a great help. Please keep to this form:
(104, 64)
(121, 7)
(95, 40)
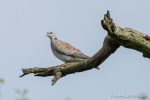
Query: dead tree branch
(127, 37)
(109, 47)
(116, 37)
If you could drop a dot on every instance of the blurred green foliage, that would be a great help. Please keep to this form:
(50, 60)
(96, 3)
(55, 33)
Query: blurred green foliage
(21, 94)
(1, 81)
(143, 97)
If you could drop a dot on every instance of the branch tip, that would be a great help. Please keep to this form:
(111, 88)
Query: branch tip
(25, 72)
(107, 23)
(108, 14)
(57, 76)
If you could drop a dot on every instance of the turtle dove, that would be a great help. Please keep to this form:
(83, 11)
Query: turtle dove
(64, 51)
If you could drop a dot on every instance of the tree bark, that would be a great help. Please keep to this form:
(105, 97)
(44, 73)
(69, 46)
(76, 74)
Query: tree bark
(115, 38)
(127, 37)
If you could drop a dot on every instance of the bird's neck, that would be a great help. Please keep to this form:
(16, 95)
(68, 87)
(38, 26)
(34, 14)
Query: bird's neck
(53, 39)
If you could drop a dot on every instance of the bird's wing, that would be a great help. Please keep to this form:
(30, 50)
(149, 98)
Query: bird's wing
(67, 49)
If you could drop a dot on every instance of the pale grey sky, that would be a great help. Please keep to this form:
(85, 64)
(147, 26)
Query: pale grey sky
(23, 26)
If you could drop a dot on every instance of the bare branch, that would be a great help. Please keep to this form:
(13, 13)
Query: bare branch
(109, 46)
(116, 37)
(127, 37)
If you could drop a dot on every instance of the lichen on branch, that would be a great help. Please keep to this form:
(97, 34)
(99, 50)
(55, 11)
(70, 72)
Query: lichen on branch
(127, 37)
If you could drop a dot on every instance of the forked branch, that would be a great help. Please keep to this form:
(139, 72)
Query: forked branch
(116, 37)
(109, 46)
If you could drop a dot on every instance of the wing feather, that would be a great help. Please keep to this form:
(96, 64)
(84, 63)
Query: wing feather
(67, 49)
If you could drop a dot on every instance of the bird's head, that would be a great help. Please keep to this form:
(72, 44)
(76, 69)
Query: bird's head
(51, 35)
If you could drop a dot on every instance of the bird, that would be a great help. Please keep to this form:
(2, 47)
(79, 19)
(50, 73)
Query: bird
(65, 51)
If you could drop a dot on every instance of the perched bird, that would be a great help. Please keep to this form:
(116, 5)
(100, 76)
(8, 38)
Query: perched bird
(64, 51)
